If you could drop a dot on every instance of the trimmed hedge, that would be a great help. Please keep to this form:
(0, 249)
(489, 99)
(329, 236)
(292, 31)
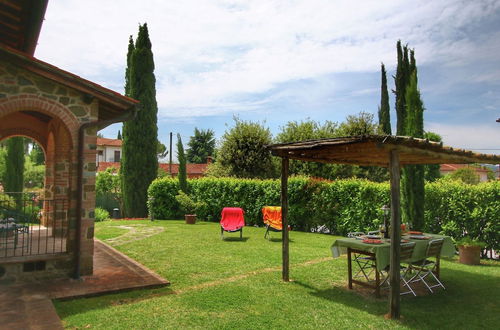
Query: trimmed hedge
(340, 206)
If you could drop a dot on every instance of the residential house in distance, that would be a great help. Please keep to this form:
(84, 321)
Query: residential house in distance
(109, 153)
(482, 172)
(108, 150)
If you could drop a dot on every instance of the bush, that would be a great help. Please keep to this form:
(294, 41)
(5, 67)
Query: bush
(451, 207)
(100, 214)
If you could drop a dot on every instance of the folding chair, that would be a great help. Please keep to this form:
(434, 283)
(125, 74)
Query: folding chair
(406, 251)
(428, 267)
(365, 263)
(271, 215)
(232, 220)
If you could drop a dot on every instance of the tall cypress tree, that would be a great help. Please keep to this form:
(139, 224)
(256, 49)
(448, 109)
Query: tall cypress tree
(139, 165)
(181, 156)
(119, 136)
(14, 167)
(384, 115)
(401, 81)
(412, 180)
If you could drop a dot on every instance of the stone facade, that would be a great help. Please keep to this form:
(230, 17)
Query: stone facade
(51, 113)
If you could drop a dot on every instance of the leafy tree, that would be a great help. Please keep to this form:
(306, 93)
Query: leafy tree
(466, 175)
(14, 169)
(161, 150)
(360, 124)
(34, 174)
(181, 156)
(108, 189)
(308, 130)
(384, 111)
(36, 155)
(3, 155)
(243, 153)
(139, 163)
(432, 172)
(201, 146)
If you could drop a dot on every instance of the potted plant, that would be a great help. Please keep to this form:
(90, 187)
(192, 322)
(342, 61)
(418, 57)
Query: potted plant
(188, 206)
(469, 251)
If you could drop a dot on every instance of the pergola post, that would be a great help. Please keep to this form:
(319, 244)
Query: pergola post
(284, 218)
(394, 271)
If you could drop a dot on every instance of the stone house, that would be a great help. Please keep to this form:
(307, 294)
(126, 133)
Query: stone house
(62, 112)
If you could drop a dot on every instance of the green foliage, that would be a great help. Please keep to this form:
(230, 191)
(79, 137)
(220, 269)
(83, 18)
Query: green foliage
(384, 110)
(432, 172)
(161, 150)
(461, 210)
(341, 206)
(119, 136)
(37, 155)
(181, 156)
(360, 124)
(200, 146)
(100, 214)
(467, 241)
(108, 192)
(3, 155)
(401, 81)
(139, 163)
(187, 204)
(14, 166)
(466, 175)
(308, 130)
(243, 151)
(34, 175)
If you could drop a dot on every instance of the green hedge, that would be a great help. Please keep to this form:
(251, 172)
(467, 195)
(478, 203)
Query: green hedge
(341, 206)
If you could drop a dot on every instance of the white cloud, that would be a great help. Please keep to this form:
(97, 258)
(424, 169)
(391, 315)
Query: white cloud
(483, 138)
(211, 55)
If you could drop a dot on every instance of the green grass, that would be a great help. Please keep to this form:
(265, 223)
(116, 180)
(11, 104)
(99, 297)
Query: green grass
(235, 284)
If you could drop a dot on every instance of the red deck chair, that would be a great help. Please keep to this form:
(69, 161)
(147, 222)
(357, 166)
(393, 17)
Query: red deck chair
(272, 219)
(232, 220)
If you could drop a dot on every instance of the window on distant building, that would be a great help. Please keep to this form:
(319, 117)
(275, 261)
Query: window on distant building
(117, 155)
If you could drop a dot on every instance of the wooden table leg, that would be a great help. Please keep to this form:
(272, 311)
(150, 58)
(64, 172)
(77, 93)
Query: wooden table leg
(438, 264)
(349, 267)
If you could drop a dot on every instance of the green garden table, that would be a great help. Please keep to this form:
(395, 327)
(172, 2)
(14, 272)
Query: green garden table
(380, 253)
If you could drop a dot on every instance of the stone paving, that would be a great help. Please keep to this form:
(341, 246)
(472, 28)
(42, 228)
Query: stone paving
(29, 306)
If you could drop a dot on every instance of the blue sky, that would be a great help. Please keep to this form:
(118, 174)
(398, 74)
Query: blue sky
(278, 61)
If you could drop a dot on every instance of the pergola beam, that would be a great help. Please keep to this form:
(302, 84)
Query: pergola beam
(394, 270)
(284, 217)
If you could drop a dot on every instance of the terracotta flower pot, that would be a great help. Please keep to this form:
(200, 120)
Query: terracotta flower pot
(190, 219)
(469, 255)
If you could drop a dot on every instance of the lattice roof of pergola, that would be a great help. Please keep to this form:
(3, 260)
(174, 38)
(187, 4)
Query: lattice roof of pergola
(374, 150)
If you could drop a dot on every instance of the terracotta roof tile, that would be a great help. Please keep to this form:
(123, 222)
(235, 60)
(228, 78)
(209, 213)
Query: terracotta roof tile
(109, 142)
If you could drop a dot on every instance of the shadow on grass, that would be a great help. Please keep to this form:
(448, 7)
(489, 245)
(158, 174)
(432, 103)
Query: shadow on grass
(467, 296)
(68, 307)
(235, 239)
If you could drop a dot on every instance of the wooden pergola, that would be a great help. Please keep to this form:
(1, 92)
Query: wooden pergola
(388, 151)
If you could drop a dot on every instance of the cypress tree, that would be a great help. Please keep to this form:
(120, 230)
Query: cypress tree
(181, 156)
(412, 180)
(401, 81)
(14, 167)
(119, 136)
(384, 116)
(139, 165)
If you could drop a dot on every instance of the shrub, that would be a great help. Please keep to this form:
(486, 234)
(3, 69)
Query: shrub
(100, 214)
(451, 207)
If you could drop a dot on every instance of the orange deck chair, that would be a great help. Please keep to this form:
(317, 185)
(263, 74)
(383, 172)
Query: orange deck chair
(272, 219)
(232, 220)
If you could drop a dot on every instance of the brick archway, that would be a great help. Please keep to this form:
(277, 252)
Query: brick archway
(23, 102)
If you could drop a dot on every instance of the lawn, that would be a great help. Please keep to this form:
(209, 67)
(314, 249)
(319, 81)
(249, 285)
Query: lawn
(235, 284)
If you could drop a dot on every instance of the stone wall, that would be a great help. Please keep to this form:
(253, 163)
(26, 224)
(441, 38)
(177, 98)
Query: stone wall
(64, 109)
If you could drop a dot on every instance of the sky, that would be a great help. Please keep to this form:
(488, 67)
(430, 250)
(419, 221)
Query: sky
(275, 61)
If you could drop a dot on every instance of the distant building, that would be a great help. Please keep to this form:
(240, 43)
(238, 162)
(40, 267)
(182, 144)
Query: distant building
(109, 155)
(450, 168)
(108, 150)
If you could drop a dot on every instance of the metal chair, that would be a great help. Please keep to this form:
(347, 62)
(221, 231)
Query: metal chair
(428, 267)
(405, 254)
(365, 263)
